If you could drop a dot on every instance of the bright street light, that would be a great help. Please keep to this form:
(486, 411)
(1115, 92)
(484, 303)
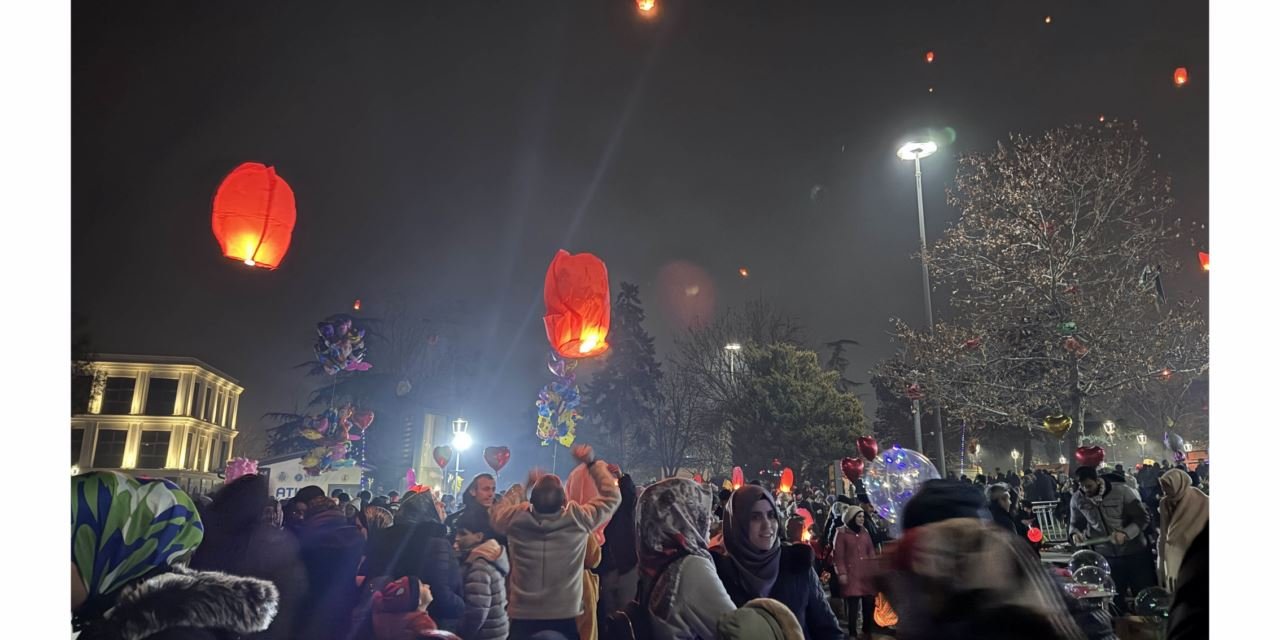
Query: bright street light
(733, 348)
(1142, 438)
(917, 150)
(1062, 459)
(1015, 455)
(1110, 427)
(462, 441)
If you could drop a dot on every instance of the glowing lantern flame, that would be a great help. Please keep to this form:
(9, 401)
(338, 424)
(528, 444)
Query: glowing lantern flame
(576, 294)
(1179, 76)
(737, 478)
(647, 6)
(356, 306)
(788, 480)
(253, 216)
(1048, 19)
(1204, 261)
(928, 57)
(743, 272)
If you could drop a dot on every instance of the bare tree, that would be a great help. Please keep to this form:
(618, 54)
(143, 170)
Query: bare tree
(1055, 269)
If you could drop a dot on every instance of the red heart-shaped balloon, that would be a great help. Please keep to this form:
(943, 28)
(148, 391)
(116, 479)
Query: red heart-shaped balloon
(868, 447)
(362, 418)
(496, 457)
(442, 454)
(1090, 456)
(852, 468)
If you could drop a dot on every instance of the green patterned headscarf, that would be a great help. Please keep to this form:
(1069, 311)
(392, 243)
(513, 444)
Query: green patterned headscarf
(123, 527)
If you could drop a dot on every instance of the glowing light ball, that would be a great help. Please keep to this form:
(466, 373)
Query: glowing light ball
(1088, 558)
(892, 479)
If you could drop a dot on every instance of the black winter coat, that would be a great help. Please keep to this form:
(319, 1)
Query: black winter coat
(1189, 613)
(619, 550)
(261, 552)
(797, 587)
(330, 551)
(421, 550)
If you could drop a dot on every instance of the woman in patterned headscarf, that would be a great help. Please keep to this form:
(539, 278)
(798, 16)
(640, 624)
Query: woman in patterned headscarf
(679, 586)
(128, 540)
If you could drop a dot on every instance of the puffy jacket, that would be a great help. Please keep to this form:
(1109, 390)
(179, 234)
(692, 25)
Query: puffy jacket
(420, 550)
(686, 601)
(854, 558)
(797, 587)
(1118, 509)
(485, 574)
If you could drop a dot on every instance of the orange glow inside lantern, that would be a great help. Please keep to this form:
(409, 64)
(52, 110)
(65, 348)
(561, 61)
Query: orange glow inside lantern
(737, 477)
(356, 306)
(1179, 76)
(253, 216)
(788, 480)
(742, 271)
(885, 616)
(576, 294)
(648, 8)
(928, 56)
(1204, 261)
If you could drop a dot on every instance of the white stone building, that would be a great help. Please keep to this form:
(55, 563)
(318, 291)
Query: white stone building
(155, 416)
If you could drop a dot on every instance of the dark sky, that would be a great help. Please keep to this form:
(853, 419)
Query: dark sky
(445, 150)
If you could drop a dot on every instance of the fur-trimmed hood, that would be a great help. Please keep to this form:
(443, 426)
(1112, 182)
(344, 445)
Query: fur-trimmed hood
(188, 599)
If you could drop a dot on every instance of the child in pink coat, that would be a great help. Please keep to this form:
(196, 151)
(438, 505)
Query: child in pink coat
(854, 558)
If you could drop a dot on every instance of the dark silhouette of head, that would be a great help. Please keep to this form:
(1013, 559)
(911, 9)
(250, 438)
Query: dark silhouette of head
(547, 496)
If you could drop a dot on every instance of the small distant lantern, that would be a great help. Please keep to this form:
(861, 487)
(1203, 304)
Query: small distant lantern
(253, 216)
(928, 57)
(1180, 76)
(1048, 19)
(356, 305)
(1204, 261)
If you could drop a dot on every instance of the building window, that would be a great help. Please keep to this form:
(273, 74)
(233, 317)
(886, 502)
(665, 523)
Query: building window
(117, 396)
(81, 392)
(153, 450)
(194, 400)
(208, 404)
(162, 394)
(217, 405)
(224, 451)
(202, 447)
(109, 452)
(77, 443)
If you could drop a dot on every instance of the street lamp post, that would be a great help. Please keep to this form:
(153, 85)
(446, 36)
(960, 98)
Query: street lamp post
(916, 151)
(1142, 443)
(1110, 428)
(1015, 455)
(461, 442)
(733, 348)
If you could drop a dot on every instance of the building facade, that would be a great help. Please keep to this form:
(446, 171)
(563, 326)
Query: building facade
(154, 416)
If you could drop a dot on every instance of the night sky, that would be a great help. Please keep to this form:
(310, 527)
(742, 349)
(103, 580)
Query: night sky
(444, 151)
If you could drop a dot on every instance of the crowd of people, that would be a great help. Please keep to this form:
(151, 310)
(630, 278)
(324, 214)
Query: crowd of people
(596, 556)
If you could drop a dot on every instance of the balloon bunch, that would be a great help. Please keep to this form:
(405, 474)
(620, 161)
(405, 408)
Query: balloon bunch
(558, 404)
(239, 467)
(331, 432)
(340, 346)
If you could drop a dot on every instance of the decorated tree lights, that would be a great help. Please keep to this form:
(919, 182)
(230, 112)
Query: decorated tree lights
(253, 216)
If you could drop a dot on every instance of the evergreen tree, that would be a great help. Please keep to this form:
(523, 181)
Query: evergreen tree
(622, 399)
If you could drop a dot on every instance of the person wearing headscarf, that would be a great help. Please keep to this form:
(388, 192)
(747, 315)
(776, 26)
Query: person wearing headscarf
(331, 548)
(680, 591)
(238, 540)
(1184, 513)
(130, 540)
(953, 574)
(752, 563)
(547, 540)
(377, 518)
(855, 568)
(760, 619)
(417, 545)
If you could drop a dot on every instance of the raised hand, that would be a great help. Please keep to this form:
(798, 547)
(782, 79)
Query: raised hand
(584, 453)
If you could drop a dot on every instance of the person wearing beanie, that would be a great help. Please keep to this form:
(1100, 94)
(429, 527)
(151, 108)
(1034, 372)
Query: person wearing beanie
(954, 574)
(547, 539)
(416, 546)
(855, 568)
(1101, 509)
(760, 619)
(753, 563)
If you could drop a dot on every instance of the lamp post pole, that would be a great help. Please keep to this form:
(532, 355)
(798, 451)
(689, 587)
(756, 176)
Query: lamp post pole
(915, 151)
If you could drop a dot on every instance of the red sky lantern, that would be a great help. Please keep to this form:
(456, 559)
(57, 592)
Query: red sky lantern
(738, 480)
(928, 57)
(788, 480)
(577, 297)
(646, 6)
(356, 305)
(1179, 76)
(1204, 261)
(253, 216)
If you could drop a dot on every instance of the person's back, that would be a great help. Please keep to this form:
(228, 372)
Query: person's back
(331, 550)
(547, 544)
(416, 545)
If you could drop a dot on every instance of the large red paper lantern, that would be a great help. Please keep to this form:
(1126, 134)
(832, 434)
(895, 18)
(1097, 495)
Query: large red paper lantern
(253, 215)
(577, 297)
(788, 480)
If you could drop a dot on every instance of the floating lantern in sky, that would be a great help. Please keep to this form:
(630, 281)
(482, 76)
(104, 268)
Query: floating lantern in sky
(1048, 19)
(647, 7)
(1204, 261)
(742, 271)
(1179, 76)
(356, 306)
(253, 215)
(930, 89)
(1102, 118)
(928, 57)
(576, 293)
